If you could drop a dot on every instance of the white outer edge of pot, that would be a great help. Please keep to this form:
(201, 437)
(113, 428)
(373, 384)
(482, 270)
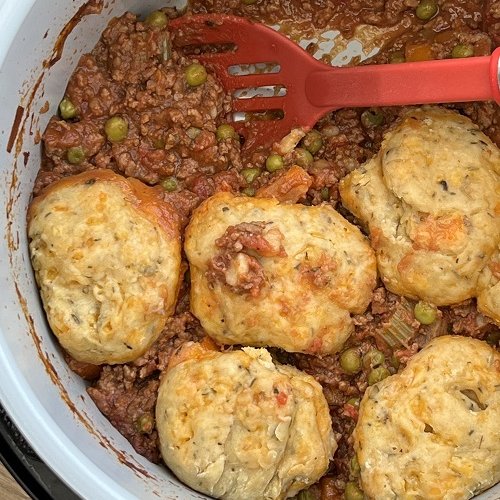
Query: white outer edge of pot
(35, 423)
(75, 441)
(78, 458)
(12, 15)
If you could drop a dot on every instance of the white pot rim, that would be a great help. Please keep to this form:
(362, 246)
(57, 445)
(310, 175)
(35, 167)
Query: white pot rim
(54, 446)
(12, 15)
(51, 444)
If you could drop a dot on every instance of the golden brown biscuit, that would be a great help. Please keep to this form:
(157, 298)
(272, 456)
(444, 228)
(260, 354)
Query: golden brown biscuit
(106, 254)
(265, 273)
(432, 431)
(431, 201)
(488, 300)
(236, 425)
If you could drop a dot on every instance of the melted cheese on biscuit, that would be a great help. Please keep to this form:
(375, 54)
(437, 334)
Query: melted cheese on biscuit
(265, 273)
(106, 255)
(431, 201)
(432, 431)
(236, 425)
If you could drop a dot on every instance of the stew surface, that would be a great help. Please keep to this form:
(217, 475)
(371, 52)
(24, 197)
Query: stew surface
(174, 141)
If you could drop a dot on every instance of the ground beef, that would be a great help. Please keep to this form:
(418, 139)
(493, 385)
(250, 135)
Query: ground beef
(96, 94)
(235, 266)
(341, 389)
(135, 72)
(304, 18)
(62, 135)
(128, 401)
(252, 236)
(491, 20)
(183, 327)
(126, 394)
(85, 370)
(465, 319)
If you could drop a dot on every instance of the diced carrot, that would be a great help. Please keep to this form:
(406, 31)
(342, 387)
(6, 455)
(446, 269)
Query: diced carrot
(418, 52)
(281, 399)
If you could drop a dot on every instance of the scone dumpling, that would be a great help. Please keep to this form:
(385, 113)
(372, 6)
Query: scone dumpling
(432, 431)
(106, 253)
(431, 202)
(270, 274)
(488, 300)
(236, 425)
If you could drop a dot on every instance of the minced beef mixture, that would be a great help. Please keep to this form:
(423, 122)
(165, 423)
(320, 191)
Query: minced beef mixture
(136, 73)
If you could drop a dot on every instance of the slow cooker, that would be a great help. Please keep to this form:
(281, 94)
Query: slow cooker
(40, 44)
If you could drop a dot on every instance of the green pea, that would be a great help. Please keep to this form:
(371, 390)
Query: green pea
(67, 109)
(169, 184)
(353, 492)
(274, 162)
(425, 313)
(157, 19)
(426, 9)
(195, 75)
(225, 131)
(248, 191)
(250, 174)
(159, 143)
(354, 402)
(394, 361)
(373, 358)
(325, 193)
(354, 467)
(462, 50)
(303, 158)
(305, 495)
(116, 129)
(144, 424)
(350, 361)
(313, 142)
(372, 118)
(378, 374)
(397, 57)
(75, 155)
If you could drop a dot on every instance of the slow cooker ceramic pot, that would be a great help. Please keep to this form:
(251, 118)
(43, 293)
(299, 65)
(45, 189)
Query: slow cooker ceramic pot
(45, 400)
(40, 44)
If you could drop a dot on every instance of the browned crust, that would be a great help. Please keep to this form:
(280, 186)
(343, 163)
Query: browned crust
(146, 199)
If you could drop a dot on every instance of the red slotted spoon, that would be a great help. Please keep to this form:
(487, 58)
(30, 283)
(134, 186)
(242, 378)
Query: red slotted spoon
(313, 88)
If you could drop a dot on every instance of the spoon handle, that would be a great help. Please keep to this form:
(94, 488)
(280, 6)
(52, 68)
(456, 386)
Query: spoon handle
(447, 80)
